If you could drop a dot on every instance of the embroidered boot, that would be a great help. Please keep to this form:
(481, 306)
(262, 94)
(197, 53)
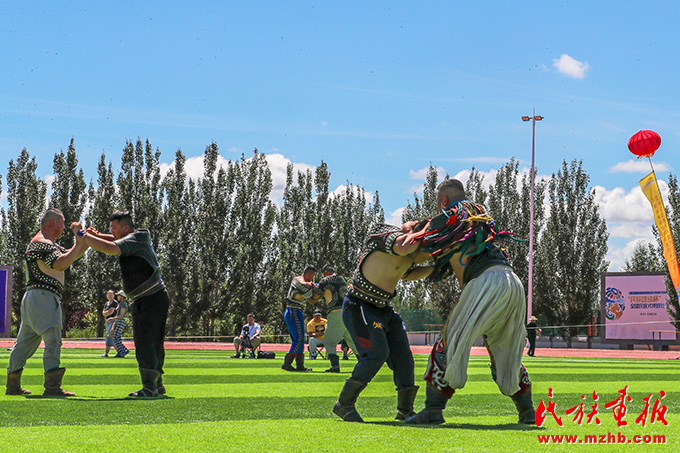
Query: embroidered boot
(344, 407)
(525, 407)
(432, 414)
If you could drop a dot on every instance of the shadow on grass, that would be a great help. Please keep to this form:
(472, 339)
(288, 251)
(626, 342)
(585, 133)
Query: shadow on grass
(96, 398)
(86, 410)
(470, 426)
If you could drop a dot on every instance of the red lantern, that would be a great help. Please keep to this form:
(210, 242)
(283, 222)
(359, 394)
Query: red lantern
(644, 143)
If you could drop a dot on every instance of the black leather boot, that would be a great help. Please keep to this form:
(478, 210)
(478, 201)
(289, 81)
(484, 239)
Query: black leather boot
(300, 363)
(335, 363)
(149, 384)
(344, 407)
(405, 399)
(288, 362)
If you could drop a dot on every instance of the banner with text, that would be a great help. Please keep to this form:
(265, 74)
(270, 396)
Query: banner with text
(651, 190)
(634, 305)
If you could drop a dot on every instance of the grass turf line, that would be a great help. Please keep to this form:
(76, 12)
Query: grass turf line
(221, 404)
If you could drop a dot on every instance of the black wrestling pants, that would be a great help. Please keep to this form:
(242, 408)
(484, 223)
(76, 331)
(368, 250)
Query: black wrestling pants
(149, 316)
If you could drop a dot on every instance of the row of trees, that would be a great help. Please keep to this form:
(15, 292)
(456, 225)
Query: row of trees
(226, 249)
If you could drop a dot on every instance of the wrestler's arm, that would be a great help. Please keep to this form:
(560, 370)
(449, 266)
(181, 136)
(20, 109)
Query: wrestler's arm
(407, 243)
(403, 246)
(418, 273)
(65, 260)
(101, 245)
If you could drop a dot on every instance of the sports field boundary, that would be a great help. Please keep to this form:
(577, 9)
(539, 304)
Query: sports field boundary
(476, 350)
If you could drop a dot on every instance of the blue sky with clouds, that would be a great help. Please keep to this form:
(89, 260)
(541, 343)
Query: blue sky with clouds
(378, 90)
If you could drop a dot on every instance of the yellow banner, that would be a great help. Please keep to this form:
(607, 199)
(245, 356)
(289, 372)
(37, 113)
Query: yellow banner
(651, 190)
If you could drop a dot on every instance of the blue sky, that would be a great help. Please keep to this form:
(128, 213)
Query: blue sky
(378, 90)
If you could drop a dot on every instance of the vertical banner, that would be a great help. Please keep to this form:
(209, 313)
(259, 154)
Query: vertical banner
(5, 301)
(650, 188)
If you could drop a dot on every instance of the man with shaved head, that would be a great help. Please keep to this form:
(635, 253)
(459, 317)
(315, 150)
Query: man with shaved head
(41, 319)
(464, 241)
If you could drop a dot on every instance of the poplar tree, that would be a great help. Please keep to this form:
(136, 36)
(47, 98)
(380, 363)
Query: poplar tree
(509, 205)
(252, 229)
(103, 271)
(292, 238)
(69, 196)
(419, 295)
(645, 258)
(571, 253)
(177, 250)
(139, 185)
(215, 195)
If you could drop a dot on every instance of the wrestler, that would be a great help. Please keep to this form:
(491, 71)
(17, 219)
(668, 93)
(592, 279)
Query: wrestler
(376, 329)
(41, 318)
(301, 291)
(463, 241)
(333, 287)
(143, 284)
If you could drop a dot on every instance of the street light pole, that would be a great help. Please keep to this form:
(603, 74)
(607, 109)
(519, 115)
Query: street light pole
(533, 120)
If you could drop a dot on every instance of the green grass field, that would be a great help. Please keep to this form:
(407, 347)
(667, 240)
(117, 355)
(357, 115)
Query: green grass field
(235, 405)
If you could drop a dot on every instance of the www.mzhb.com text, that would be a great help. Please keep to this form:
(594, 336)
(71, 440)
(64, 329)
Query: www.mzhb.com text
(609, 438)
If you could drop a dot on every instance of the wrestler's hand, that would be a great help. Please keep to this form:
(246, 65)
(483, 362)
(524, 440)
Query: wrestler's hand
(92, 231)
(76, 226)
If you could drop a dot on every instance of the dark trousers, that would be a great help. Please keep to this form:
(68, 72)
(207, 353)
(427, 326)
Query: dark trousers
(295, 322)
(149, 315)
(379, 336)
(532, 345)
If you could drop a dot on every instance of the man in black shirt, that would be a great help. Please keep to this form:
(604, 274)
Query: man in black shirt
(144, 286)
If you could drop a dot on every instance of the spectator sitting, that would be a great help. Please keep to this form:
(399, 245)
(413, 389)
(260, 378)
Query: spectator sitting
(249, 338)
(316, 328)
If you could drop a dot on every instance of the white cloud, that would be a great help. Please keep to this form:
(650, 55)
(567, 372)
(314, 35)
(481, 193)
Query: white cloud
(278, 164)
(3, 195)
(630, 208)
(629, 220)
(571, 67)
(395, 216)
(49, 180)
(617, 256)
(638, 166)
(422, 173)
(342, 188)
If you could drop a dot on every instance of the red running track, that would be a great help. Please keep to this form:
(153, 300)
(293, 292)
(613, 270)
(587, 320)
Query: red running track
(476, 350)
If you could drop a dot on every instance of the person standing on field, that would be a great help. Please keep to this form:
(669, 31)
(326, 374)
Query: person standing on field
(41, 316)
(143, 285)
